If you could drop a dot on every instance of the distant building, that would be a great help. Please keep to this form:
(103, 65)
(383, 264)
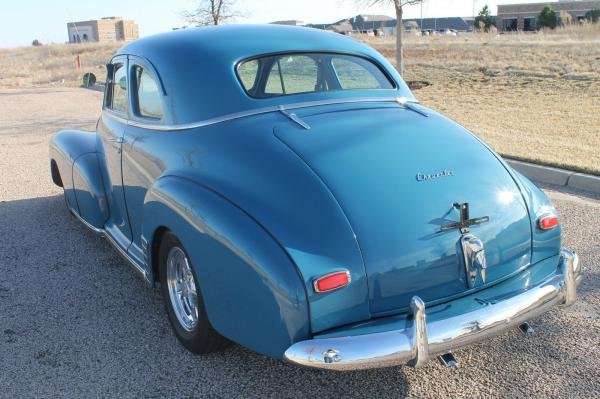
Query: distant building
(386, 26)
(291, 22)
(365, 22)
(344, 27)
(458, 24)
(109, 29)
(523, 17)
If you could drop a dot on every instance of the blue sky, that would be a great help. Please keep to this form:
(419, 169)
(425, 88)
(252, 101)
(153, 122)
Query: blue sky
(21, 21)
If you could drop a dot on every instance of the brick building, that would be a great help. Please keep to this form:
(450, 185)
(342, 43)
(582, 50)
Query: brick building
(523, 17)
(110, 29)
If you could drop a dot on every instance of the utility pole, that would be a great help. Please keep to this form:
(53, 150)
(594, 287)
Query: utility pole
(421, 18)
(474, 2)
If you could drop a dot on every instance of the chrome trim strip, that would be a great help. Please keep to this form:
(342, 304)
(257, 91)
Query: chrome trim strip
(422, 341)
(294, 118)
(114, 117)
(86, 223)
(409, 104)
(402, 101)
(124, 254)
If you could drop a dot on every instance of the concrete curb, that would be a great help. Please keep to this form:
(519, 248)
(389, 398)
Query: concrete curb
(556, 176)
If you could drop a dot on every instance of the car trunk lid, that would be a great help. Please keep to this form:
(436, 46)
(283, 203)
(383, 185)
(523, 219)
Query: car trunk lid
(397, 176)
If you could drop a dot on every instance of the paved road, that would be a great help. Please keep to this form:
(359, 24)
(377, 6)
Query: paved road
(76, 321)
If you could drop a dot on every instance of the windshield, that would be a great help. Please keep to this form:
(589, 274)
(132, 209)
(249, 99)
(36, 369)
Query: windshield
(287, 74)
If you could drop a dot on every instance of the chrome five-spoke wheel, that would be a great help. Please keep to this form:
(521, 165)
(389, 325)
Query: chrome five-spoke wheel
(182, 292)
(182, 288)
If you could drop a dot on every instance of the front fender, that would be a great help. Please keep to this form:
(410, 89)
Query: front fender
(89, 189)
(74, 154)
(252, 290)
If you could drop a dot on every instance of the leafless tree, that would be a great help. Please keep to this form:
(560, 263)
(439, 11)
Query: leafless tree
(398, 5)
(210, 12)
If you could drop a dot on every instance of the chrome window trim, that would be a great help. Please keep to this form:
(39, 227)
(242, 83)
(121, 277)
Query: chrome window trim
(402, 101)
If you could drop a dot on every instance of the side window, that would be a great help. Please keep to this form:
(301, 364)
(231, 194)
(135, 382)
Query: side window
(118, 89)
(148, 96)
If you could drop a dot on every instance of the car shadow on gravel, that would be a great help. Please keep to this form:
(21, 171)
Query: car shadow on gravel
(76, 319)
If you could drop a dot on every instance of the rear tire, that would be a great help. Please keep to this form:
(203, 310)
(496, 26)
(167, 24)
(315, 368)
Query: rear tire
(183, 299)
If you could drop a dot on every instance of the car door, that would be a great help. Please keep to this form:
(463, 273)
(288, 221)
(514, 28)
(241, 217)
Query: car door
(111, 129)
(142, 145)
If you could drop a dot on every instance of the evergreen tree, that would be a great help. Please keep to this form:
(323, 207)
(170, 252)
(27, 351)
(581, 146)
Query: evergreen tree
(484, 20)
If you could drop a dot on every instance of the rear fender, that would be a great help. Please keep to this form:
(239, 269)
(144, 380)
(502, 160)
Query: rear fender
(252, 290)
(544, 243)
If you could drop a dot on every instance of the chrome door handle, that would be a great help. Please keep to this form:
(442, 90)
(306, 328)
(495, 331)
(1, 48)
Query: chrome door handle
(116, 140)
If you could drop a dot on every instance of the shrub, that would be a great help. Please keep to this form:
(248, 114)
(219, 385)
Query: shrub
(547, 18)
(36, 43)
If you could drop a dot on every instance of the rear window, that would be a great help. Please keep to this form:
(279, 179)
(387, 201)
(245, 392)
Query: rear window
(288, 74)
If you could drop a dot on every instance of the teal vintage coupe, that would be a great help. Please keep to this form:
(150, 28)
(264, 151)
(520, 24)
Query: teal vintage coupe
(287, 192)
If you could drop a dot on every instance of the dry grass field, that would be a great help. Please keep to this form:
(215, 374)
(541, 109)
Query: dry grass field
(534, 97)
(530, 96)
(53, 65)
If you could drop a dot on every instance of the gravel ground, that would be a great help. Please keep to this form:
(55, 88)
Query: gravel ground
(75, 321)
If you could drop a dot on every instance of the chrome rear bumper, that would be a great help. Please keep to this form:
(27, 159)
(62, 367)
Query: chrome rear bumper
(417, 344)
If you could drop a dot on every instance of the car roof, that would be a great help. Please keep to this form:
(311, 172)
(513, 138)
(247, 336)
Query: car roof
(197, 65)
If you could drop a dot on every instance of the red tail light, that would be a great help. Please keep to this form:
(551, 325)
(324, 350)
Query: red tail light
(332, 281)
(547, 222)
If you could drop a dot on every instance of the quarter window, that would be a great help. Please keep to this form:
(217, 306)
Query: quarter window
(149, 100)
(118, 89)
(247, 72)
